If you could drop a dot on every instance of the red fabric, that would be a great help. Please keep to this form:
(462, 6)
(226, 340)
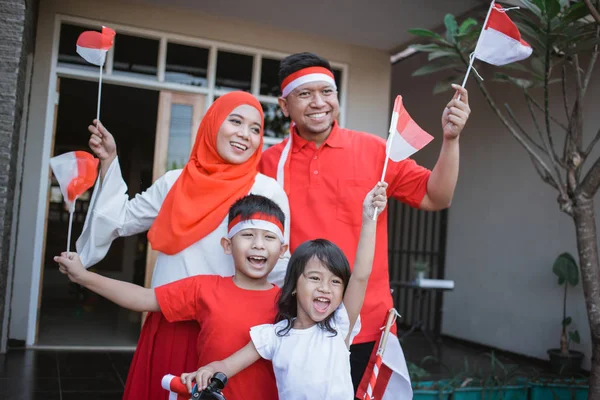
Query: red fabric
(208, 185)
(97, 40)
(87, 172)
(501, 22)
(163, 348)
(225, 313)
(327, 189)
(383, 377)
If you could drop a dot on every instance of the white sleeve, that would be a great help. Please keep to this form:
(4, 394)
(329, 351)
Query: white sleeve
(111, 214)
(264, 339)
(342, 323)
(277, 276)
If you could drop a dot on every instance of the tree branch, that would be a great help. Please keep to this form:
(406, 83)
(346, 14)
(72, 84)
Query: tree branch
(592, 144)
(593, 10)
(539, 107)
(525, 134)
(591, 64)
(590, 184)
(542, 173)
(564, 90)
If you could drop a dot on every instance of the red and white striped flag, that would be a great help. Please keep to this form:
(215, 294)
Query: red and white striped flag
(177, 389)
(500, 41)
(386, 376)
(93, 46)
(75, 172)
(406, 137)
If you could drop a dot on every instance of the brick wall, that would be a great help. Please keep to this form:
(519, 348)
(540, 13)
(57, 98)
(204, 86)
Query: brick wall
(17, 36)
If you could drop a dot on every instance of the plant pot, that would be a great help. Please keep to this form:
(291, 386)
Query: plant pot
(512, 392)
(559, 389)
(431, 390)
(565, 365)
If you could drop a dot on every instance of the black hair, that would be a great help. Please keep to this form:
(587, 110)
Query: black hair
(253, 203)
(332, 258)
(299, 61)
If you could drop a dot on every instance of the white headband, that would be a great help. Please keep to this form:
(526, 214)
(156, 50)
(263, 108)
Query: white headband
(306, 75)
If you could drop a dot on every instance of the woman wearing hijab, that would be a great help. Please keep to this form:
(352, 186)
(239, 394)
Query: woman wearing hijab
(186, 214)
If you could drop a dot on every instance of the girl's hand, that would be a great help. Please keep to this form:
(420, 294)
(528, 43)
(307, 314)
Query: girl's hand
(201, 377)
(102, 142)
(456, 113)
(71, 266)
(375, 199)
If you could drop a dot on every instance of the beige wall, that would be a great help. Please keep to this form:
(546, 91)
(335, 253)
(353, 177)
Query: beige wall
(367, 104)
(505, 229)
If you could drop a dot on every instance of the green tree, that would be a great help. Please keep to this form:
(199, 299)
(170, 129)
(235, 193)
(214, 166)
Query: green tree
(565, 37)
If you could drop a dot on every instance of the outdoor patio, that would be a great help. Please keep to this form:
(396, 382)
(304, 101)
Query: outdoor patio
(65, 375)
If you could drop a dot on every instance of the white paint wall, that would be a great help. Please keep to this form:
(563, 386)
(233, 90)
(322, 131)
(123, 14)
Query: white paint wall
(505, 229)
(367, 109)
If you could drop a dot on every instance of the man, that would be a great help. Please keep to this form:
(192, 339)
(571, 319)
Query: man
(326, 171)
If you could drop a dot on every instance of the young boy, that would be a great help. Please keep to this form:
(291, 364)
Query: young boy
(225, 308)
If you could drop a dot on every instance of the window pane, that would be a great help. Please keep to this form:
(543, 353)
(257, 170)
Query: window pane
(277, 125)
(67, 48)
(186, 65)
(269, 77)
(180, 127)
(337, 74)
(234, 71)
(135, 56)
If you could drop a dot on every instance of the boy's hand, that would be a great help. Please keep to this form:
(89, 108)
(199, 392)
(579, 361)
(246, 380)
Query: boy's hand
(71, 266)
(376, 199)
(102, 142)
(456, 113)
(201, 377)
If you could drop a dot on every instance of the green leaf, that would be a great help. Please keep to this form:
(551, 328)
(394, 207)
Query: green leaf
(582, 46)
(552, 8)
(576, 12)
(533, 7)
(434, 55)
(426, 47)
(567, 321)
(574, 337)
(446, 84)
(466, 26)
(516, 67)
(565, 267)
(434, 67)
(451, 28)
(538, 66)
(424, 33)
(522, 83)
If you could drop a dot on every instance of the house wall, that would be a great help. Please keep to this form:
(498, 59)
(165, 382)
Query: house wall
(367, 107)
(505, 229)
(18, 21)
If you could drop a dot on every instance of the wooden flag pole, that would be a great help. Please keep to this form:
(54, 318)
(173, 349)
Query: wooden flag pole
(393, 123)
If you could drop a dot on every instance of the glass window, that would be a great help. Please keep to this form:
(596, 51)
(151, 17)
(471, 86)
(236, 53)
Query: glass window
(277, 125)
(186, 65)
(135, 56)
(269, 77)
(67, 47)
(234, 71)
(179, 146)
(337, 75)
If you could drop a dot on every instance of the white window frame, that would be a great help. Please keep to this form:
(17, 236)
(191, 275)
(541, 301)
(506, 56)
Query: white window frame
(160, 84)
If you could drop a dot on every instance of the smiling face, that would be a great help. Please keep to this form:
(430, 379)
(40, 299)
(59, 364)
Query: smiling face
(255, 253)
(319, 293)
(313, 107)
(240, 134)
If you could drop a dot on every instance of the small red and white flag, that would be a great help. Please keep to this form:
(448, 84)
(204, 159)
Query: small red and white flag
(386, 376)
(500, 41)
(93, 46)
(406, 137)
(177, 389)
(75, 172)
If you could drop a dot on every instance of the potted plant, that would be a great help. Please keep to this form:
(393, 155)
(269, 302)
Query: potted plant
(423, 387)
(420, 268)
(565, 360)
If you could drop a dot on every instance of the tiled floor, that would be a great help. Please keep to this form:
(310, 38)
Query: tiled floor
(99, 375)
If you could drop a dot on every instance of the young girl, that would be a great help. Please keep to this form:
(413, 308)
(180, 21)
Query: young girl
(318, 310)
